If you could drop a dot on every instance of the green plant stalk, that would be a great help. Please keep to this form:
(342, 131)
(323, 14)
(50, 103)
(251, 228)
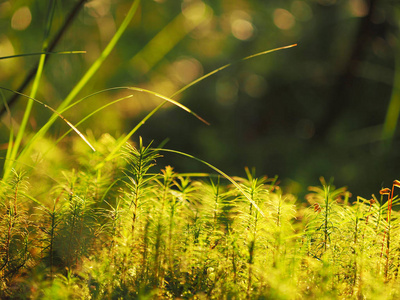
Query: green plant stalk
(390, 202)
(251, 249)
(234, 262)
(278, 234)
(356, 248)
(16, 194)
(159, 255)
(389, 213)
(216, 189)
(52, 235)
(140, 160)
(137, 188)
(386, 232)
(279, 213)
(135, 208)
(252, 246)
(326, 217)
(361, 252)
(251, 205)
(35, 87)
(85, 79)
(145, 252)
(387, 252)
(167, 185)
(54, 222)
(73, 217)
(170, 234)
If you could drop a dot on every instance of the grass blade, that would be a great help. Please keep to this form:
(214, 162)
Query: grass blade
(228, 65)
(41, 53)
(88, 75)
(54, 111)
(68, 21)
(21, 131)
(125, 139)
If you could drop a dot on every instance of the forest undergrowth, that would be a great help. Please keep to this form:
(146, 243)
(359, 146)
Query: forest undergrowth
(118, 226)
(131, 230)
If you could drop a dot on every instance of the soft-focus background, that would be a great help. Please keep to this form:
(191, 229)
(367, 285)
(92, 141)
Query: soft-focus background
(328, 107)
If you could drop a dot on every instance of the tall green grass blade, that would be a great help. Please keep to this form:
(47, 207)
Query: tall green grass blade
(126, 138)
(106, 52)
(35, 87)
(90, 115)
(88, 75)
(136, 89)
(240, 189)
(121, 99)
(55, 112)
(41, 53)
(170, 36)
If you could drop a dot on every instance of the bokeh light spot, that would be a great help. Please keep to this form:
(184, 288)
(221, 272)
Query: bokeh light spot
(21, 19)
(255, 85)
(358, 8)
(99, 8)
(6, 49)
(194, 12)
(283, 19)
(301, 10)
(242, 29)
(186, 70)
(240, 25)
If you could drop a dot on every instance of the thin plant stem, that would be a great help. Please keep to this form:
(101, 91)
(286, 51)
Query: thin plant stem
(35, 87)
(87, 76)
(68, 21)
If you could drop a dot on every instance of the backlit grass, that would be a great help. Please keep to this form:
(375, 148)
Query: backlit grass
(100, 219)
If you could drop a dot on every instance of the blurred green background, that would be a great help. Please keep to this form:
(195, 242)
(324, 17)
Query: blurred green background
(327, 107)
